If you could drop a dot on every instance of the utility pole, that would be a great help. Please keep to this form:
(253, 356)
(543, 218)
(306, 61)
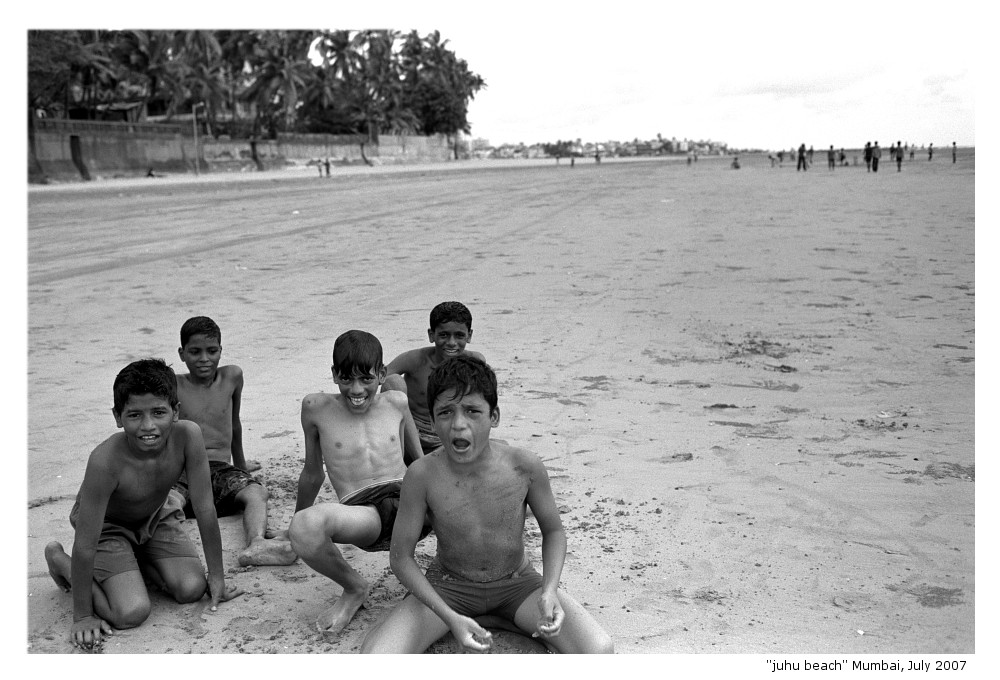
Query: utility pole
(194, 125)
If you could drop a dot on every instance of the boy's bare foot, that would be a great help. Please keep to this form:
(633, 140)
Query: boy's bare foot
(59, 563)
(252, 466)
(336, 618)
(267, 552)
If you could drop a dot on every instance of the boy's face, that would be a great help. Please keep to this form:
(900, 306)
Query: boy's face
(359, 390)
(464, 424)
(449, 339)
(147, 421)
(201, 355)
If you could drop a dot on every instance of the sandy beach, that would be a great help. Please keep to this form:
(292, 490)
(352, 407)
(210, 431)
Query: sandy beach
(753, 389)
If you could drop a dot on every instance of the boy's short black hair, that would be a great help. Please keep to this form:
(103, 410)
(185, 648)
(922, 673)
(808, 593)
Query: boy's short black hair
(451, 311)
(146, 376)
(357, 353)
(465, 374)
(200, 325)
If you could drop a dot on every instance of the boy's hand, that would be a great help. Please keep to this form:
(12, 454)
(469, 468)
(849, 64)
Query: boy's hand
(552, 615)
(471, 635)
(220, 592)
(87, 633)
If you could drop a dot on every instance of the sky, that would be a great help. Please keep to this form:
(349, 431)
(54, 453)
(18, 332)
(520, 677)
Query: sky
(769, 74)
(754, 75)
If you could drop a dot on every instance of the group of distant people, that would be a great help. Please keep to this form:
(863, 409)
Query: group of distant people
(872, 156)
(407, 448)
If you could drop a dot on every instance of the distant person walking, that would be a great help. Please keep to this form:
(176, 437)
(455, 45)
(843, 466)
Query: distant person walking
(899, 156)
(876, 155)
(802, 159)
(892, 153)
(911, 152)
(809, 154)
(831, 158)
(843, 157)
(868, 155)
(930, 151)
(327, 164)
(954, 152)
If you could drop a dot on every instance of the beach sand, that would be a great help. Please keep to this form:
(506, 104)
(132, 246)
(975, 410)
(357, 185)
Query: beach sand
(753, 389)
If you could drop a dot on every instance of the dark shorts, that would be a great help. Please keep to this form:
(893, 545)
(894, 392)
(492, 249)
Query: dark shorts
(384, 497)
(119, 549)
(227, 481)
(471, 598)
(429, 442)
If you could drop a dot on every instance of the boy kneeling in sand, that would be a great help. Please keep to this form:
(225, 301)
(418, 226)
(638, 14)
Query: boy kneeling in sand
(476, 492)
(125, 509)
(360, 436)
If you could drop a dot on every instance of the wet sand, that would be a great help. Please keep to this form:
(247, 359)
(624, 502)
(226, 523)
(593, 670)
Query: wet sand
(753, 389)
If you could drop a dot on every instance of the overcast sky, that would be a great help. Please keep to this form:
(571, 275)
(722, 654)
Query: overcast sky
(769, 74)
(765, 74)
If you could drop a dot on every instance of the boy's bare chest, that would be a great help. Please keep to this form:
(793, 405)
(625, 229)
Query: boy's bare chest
(378, 429)
(496, 502)
(213, 404)
(143, 485)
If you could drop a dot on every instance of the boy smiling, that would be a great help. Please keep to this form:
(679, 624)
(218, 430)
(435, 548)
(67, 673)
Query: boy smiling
(125, 515)
(360, 436)
(450, 331)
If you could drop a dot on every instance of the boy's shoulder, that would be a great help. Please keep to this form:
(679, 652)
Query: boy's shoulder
(231, 372)
(319, 401)
(394, 398)
(411, 359)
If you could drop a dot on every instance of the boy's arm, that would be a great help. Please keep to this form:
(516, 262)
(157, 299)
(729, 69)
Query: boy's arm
(410, 439)
(200, 485)
(543, 507)
(405, 534)
(311, 478)
(405, 363)
(239, 460)
(98, 483)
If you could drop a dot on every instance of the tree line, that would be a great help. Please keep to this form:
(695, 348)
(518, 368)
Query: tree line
(256, 83)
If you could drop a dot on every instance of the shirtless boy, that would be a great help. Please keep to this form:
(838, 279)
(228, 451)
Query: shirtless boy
(210, 395)
(476, 491)
(359, 435)
(124, 511)
(450, 330)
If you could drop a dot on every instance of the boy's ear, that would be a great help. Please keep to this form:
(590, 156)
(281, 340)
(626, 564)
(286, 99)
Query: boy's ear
(495, 417)
(177, 412)
(430, 335)
(382, 374)
(180, 353)
(118, 417)
(468, 338)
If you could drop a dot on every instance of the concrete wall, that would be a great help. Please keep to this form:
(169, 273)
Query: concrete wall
(128, 150)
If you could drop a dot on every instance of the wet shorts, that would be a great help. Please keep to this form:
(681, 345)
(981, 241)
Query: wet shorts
(159, 537)
(227, 481)
(471, 598)
(384, 497)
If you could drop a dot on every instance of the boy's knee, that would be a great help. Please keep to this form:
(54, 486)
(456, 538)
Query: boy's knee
(190, 588)
(253, 493)
(394, 382)
(130, 614)
(603, 644)
(305, 532)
